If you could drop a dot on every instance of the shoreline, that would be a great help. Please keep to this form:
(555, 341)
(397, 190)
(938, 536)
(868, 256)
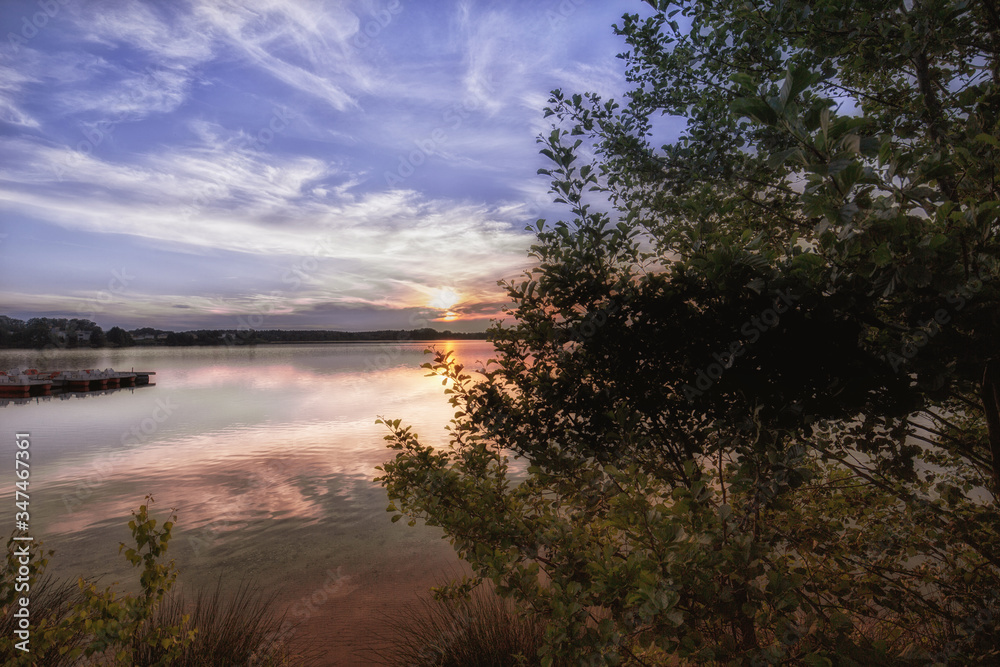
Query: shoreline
(361, 341)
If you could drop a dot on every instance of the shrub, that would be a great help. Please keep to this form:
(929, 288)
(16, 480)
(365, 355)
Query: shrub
(73, 623)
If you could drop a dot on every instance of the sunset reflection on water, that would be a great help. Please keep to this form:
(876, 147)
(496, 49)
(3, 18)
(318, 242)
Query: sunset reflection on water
(267, 454)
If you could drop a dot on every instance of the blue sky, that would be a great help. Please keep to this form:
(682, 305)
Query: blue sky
(281, 163)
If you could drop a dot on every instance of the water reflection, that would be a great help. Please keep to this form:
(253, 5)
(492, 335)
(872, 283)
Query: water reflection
(267, 454)
(62, 395)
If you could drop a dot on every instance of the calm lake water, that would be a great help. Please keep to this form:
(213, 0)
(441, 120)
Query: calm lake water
(268, 455)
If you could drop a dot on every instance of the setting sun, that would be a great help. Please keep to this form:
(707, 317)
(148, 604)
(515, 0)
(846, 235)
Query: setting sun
(444, 298)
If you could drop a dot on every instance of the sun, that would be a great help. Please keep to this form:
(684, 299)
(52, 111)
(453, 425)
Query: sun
(444, 298)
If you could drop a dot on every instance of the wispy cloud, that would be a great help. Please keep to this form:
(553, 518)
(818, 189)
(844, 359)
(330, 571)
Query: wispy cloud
(248, 203)
(302, 44)
(11, 84)
(131, 96)
(255, 137)
(164, 31)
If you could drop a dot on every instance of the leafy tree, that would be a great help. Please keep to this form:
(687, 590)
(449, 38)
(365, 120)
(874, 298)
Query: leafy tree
(746, 412)
(120, 337)
(37, 333)
(183, 339)
(98, 337)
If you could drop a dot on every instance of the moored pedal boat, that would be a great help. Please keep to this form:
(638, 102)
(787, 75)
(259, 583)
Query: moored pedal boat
(18, 383)
(23, 382)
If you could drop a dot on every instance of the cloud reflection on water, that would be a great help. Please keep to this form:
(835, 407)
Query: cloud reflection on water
(265, 449)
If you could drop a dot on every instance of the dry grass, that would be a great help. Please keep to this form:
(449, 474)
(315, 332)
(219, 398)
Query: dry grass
(242, 628)
(51, 601)
(483, 631)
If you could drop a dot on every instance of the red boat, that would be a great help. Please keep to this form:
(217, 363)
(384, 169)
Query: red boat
(20, 383)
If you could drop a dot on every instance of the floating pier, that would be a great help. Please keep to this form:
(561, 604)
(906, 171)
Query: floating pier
(21, 383)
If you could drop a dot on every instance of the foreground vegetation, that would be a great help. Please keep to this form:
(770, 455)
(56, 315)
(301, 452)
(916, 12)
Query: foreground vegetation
(74, 623)
(482, 630)
(759, 407)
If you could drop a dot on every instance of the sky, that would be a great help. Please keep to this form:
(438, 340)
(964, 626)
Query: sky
(282, 164)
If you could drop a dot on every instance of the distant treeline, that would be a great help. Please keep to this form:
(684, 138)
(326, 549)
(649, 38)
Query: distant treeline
(249, 336)
(48, 332)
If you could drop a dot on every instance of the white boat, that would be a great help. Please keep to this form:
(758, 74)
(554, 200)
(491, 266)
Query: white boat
(23, 382)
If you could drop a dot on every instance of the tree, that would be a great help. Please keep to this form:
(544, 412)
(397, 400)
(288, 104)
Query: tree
(97, 337)
(182, 339)
(11, 330)
(746, 413)
(37, 333)
(119, 337)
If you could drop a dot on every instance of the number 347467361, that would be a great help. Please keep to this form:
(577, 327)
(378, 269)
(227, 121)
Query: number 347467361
(22, 471)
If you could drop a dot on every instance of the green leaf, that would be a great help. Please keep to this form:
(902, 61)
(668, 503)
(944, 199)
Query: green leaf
(796, 80)
(817, 660)
(780, 158)
(756, 109)
(744, 81)
(937, 241)
(987, 139)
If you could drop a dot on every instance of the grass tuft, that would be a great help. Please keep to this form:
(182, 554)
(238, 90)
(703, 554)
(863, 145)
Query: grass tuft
(242, 628)
(482, 631)
(51, 601)
(239, 628)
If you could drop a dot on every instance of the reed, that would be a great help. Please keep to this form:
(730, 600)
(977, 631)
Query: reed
(51, 601)
(239, 628)
(482, 631)
(244, 627)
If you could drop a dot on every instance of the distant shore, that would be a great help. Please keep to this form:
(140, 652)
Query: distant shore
(48, 333)
(369, 340)
(358, 341)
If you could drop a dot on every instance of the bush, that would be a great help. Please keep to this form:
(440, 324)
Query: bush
(70, 623)
(753, 378)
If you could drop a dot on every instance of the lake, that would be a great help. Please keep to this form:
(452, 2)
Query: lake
(268, 455)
